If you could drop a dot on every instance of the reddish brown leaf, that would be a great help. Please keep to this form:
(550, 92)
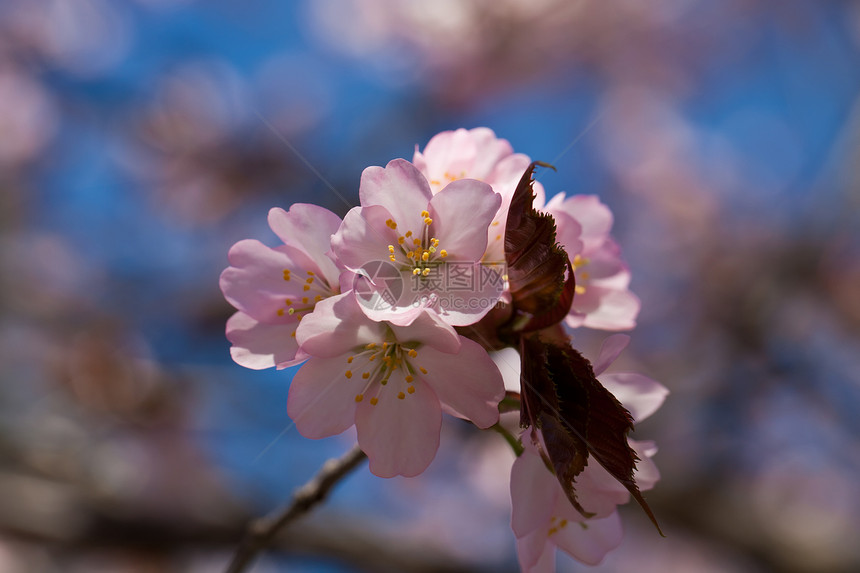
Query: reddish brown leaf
(576, 415)
(541, 293)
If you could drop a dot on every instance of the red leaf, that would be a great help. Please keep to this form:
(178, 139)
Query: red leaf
(541, 293)
(576, 415)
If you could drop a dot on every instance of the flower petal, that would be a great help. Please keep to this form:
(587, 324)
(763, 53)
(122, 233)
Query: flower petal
(610, 349)
(467, 383)
(604, 309)
(309, 228)
(255, 282)
(507, 360)
(461, 214)
(429, 329)
(590, 545)
(534, 493)
(400, 188)
(363, 237)
(641, 395)
(594, 217)
(399, 435)
(337, 326)
(535, 553)
(258, 345)
(321, 400)
(647, 475)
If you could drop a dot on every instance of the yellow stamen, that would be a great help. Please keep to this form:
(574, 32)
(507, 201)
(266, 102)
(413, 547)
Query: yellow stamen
(411, 389)
(281, 312)
(305, 300)
(365, 375)
(359, 397)
(413, 353)
(416, 271)
(425, 272)
(401, 396)
(428, 221)
(348, 373)
(374, 401)
(391, 224)
(306, 288)
(422, 369)
(443, 253)
(350, 359)
(409, 379)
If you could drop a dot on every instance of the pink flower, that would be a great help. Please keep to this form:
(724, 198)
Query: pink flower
(414, 250)
(392, 382)
(273, 288)
(602, 299)
(543, 519)
(477, 154)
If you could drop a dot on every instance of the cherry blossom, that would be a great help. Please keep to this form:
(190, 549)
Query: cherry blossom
(477, 154)
(392, 382)
(273, 288)
(543, 519)
(414, 250)
(603, 300)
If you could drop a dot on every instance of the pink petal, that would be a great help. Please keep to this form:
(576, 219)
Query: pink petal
(610, 349)
(337, 326)
(472, 291)
(255, 284)
(647, 474)
(399, 436)
(489, 151)
(595, 217)
(429, 329)
(321, 400)
(257, 345)
(309, 228)
(507, 360)
(597, 491)
(641, 395)
(534, 493)
(363, 237)
(535, 553)
(590, 545)
(461, 214)
(401, 189)
(567, 233)
(451, 152)
(607, 309)
(467, 383)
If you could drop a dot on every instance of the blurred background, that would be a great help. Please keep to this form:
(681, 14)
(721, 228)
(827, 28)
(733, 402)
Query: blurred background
(140, 139)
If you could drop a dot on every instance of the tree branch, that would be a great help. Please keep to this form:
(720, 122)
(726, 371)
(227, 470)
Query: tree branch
(262, 531)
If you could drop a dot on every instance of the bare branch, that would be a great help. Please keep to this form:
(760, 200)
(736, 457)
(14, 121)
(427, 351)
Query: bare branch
(262, 531)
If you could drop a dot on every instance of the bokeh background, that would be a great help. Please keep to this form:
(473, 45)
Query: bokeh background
(140, 139)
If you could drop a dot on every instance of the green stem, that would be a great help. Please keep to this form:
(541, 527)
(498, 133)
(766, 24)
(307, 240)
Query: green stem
(510, 438)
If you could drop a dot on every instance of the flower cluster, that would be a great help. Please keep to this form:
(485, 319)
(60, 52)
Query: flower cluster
(398, 311)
